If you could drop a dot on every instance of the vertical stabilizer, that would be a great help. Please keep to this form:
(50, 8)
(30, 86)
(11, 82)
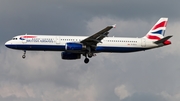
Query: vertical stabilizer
(157, 32)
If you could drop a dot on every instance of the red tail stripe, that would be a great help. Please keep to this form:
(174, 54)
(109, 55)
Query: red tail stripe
(167, 42)
(28, 36)
(153, 37)
(162, 24)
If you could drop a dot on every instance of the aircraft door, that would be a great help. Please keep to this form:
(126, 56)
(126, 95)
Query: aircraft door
(57, 40)
(143, 42)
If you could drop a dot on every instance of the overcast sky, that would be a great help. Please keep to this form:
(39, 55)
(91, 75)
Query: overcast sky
(151, 75)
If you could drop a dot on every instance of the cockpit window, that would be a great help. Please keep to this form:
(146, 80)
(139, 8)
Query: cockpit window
(14, 38)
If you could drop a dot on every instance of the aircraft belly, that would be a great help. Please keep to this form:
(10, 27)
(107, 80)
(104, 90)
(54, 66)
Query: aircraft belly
(118, 49)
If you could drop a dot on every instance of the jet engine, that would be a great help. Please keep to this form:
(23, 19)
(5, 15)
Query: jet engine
(74, 46)
(70, 56)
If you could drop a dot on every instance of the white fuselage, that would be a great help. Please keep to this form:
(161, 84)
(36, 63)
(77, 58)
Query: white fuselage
(57, 43)
(73, 47)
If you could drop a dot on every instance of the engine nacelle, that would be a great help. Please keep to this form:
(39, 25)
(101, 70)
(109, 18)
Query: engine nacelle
(74, 46)
(70, 56)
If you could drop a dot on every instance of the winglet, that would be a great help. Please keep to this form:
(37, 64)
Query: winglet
(114, 26)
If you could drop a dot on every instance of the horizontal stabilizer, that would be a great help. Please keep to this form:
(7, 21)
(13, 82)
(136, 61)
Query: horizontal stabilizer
(163, 40)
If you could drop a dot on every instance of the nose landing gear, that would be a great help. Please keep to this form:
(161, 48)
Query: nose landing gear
(24, 55)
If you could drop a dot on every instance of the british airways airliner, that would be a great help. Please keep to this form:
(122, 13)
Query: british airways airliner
(73, 47)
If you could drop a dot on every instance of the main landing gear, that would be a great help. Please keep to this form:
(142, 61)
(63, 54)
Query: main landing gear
(87, 56)
(86, 60)
(24, 55)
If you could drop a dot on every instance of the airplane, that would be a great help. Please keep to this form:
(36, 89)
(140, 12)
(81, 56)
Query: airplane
(73, 47)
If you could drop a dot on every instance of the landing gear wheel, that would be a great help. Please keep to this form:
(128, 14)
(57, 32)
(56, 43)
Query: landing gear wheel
(23, 56)
(86, 60)
(90, 55)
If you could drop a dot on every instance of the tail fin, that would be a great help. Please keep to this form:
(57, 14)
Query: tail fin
(157, 32)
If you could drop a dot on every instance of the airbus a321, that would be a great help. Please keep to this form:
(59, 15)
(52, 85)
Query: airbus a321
(73, 47)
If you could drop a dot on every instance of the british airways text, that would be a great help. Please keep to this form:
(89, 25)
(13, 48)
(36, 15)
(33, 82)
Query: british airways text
(37, 40)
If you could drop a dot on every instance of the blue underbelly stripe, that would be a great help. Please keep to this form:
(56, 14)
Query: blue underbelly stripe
(62, 48)
(118, 49)
(38, 47)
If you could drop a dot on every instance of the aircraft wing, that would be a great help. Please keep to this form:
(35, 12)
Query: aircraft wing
(97, 37)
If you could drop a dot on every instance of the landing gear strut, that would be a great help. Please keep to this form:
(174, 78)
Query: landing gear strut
(86, 60)
(24, 55)
(88, 54)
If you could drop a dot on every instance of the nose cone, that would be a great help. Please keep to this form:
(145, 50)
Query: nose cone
(8, 44)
